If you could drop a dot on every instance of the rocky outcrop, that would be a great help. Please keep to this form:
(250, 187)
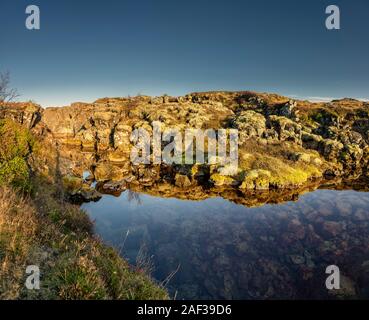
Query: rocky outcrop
(283, 143)
(27, 114)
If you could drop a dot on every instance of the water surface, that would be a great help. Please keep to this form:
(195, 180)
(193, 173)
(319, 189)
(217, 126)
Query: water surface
(222, 250)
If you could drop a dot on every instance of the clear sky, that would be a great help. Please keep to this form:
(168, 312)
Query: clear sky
(88, 49)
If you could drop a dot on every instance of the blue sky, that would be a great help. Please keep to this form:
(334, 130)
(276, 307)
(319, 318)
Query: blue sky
(91, 49)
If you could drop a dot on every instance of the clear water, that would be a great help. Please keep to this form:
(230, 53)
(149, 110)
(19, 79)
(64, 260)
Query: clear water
(227, 251)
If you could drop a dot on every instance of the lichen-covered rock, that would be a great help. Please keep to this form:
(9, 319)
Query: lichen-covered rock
(220, 180)
(182, 181)
(286, 128)
(256, 179)
(106, 171)
(28, 114)
(228, 170)
(301, 156)
(250, 124)
(288, 110)
(311, 141)
(280, 134)
(330, 149)
(72, 184)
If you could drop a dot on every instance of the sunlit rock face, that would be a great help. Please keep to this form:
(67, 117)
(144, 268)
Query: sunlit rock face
(283, 144)
(27, 114)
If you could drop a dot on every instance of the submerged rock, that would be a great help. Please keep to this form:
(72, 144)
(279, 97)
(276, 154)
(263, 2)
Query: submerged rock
(296, 259)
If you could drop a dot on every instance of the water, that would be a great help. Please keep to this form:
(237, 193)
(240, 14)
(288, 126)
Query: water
(227, 251)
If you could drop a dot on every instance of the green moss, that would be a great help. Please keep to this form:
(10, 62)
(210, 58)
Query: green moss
(256, 179)
(15, 172)
(324, 116)
(220, 180)
(16, 143)
(15, 140)
(262, 170)
(289, 176)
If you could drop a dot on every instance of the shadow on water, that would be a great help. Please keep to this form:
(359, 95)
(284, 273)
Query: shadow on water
(230, 251)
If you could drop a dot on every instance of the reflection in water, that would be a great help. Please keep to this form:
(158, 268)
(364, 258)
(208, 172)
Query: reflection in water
(230, 251)
(133, 196)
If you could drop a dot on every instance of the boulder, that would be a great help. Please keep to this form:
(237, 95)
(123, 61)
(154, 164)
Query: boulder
(182, 181)
(257, 179)
(250, 124)
(219, 180)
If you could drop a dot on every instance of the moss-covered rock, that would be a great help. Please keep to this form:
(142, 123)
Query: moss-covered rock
(220, 180)
(256, 179)
(182, 181)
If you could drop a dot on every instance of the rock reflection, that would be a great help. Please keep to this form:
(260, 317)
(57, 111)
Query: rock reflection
(133, 196)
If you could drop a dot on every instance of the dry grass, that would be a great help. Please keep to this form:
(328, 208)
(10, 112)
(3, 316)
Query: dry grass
(37, 227)
(57, 237)
(18, 226)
